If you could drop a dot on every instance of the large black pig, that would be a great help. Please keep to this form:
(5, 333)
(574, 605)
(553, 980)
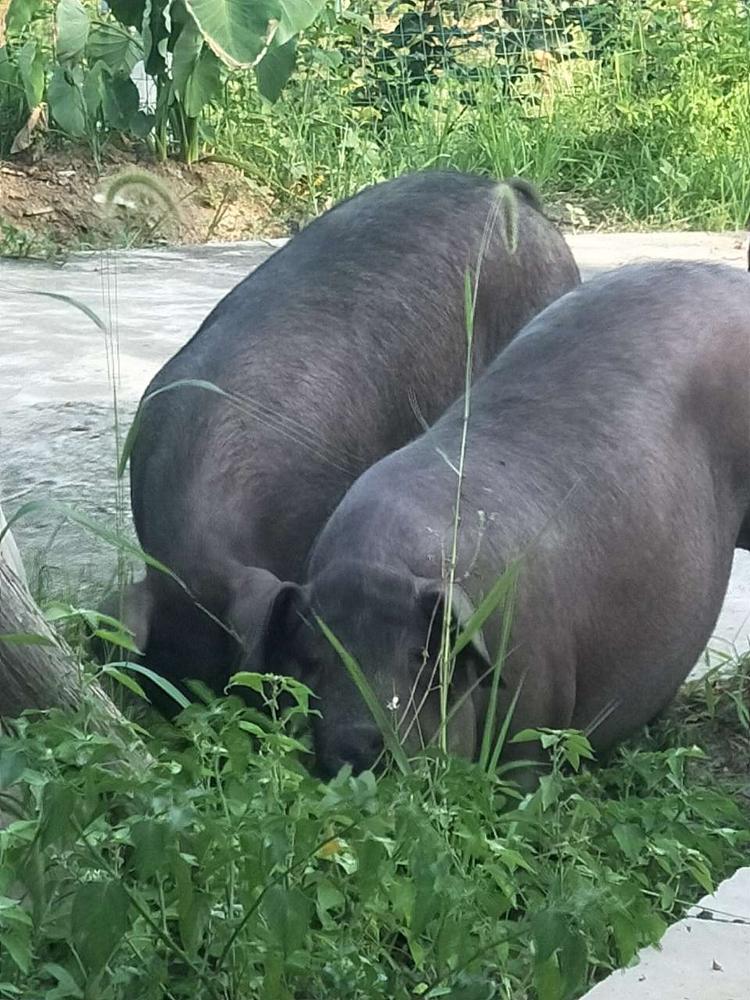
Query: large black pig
(334, 352)
(608, 459)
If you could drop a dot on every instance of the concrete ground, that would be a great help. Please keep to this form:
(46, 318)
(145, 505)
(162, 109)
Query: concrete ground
(702, 957)
(56, 413)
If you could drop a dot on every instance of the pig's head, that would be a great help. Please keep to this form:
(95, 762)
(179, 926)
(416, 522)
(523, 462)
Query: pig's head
(392, 623)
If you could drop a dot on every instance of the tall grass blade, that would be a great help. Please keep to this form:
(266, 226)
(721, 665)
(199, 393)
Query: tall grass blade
(390, 738)
(161, 682)
(76, 303)
(135, 427)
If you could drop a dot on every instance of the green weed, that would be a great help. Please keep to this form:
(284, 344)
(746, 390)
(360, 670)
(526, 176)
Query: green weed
(224, 870)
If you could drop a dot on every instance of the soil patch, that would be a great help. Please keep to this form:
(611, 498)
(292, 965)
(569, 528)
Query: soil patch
(56, 205)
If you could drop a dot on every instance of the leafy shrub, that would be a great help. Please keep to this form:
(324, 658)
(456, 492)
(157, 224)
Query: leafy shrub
(85, 75)
(224, 870)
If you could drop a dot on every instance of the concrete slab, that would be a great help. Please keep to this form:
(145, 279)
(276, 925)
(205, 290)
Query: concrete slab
(56, 413)
(703, 957)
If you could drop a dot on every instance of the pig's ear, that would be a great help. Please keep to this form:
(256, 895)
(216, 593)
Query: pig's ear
(433, 597)
(267, 614)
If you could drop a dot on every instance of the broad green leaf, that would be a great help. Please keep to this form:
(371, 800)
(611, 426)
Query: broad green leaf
(72, 30)
(527, 736)
(329, 898)
(114, 46)
(130, 12)
(57, 813)
(150, 840)
(243, 678)
(195, 71)
(296, 15)
(66, 987)
(427, 899)
(203, 85)
(626, 938)
(275, 68)
(20, 13)
(287, 913)
(12, 912)
(573, 961)
(118, 637)
(16, 941)
(93, 91)
(119, 102)
(31, 68)
(186, 51)
(549, 932)
(192, 906)
(12, 764)
(547, 980)
(631, 839)
(141, 124)
(701, 874)
(99, 920)
(236, 30)
(66, 103)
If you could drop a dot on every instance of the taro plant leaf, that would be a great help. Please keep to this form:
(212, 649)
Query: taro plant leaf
(236, 30)
(141, 124)
(129, 12)
(71, 30)
(66, 102)
(195, 71)
(113, 45)
(93, 91)
(99, 921)
(19, 14)
(296, 15)
(275, 68)
(186, 51)
(203, 85)
(119, 102)
(31, 68)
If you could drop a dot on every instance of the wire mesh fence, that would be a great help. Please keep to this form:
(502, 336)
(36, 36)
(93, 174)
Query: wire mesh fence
(394, 51)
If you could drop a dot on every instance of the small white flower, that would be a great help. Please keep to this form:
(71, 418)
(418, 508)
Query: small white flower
(392, 704)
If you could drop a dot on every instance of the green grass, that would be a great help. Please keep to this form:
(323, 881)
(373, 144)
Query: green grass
(656, 133)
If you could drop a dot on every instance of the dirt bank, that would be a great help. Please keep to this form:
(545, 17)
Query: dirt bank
(54, 205)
